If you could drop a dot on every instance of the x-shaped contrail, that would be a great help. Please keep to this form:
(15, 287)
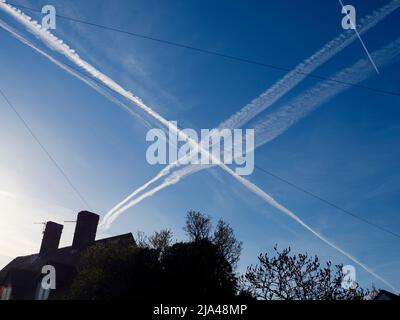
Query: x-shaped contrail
(57, 44)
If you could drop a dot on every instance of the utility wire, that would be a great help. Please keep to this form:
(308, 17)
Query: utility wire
(226, 56)
(328, 202)
(214, 53)
(34, 136)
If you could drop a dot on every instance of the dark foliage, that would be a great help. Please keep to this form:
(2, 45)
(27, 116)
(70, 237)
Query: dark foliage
(198, 226)
(196, 270)
(115, 271)
(155, 269)
(202, 269)
(227, 244)
(297, 277)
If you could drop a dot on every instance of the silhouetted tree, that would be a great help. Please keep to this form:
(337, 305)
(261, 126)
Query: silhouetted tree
(228, 246)
(196, 270)
(159, 240)
(297, 277)
(142, 241)
(198, 226)
(156, 268)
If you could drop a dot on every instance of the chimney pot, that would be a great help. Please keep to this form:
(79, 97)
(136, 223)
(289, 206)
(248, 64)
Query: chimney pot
(86, 228)
(51, 237)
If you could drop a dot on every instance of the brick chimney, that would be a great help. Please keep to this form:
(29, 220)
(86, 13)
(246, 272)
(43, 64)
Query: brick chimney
(51, 237)
(86, 228)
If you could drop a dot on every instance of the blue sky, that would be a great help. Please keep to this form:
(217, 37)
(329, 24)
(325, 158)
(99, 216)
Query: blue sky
(345, 151)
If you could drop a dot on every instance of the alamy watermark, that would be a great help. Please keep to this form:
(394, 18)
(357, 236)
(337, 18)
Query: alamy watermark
(349, 20)
(215, 146)
(49, 21)
(49, 280)
(349, 277)
(50, 16)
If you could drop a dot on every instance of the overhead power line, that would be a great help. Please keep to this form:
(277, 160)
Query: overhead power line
(44, 149)
(212, 52)
(222, 55)
(373, 224)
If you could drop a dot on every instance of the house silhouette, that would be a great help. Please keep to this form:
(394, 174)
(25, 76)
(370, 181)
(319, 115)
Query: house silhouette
(22, 278)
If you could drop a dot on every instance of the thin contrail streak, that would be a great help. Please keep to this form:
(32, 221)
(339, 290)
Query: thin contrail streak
(294, 77)
(57, 44)
(359, 37)
(288, 82)
(274, 124)
(71, 71)
(290, 115)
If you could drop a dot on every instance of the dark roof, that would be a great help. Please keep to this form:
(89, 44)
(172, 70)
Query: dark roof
(66, 256)
(388, 294)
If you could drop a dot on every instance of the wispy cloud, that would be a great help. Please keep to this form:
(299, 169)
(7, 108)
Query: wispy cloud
(7, 194)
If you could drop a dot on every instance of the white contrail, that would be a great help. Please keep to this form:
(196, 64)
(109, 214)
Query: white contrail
(290, 115)
(255, 189)
(58, 45)
(271, 201)
(308, 66)
(274, 124)
(71, 71)
(288, 82)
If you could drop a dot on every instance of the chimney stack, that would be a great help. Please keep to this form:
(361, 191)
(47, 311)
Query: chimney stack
(86, 228)
(51, 237)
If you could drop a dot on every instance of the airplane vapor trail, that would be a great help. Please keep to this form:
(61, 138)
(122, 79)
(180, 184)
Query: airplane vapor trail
(307, 67)
(274, 124)
(58, 45)
(279, 89)
(72, 72)
(271, 201)
(290, 115)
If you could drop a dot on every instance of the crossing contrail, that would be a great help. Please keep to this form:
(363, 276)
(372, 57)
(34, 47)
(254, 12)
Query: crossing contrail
(274, 93)
(296, 109)
(274, 124)
(57, 44)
